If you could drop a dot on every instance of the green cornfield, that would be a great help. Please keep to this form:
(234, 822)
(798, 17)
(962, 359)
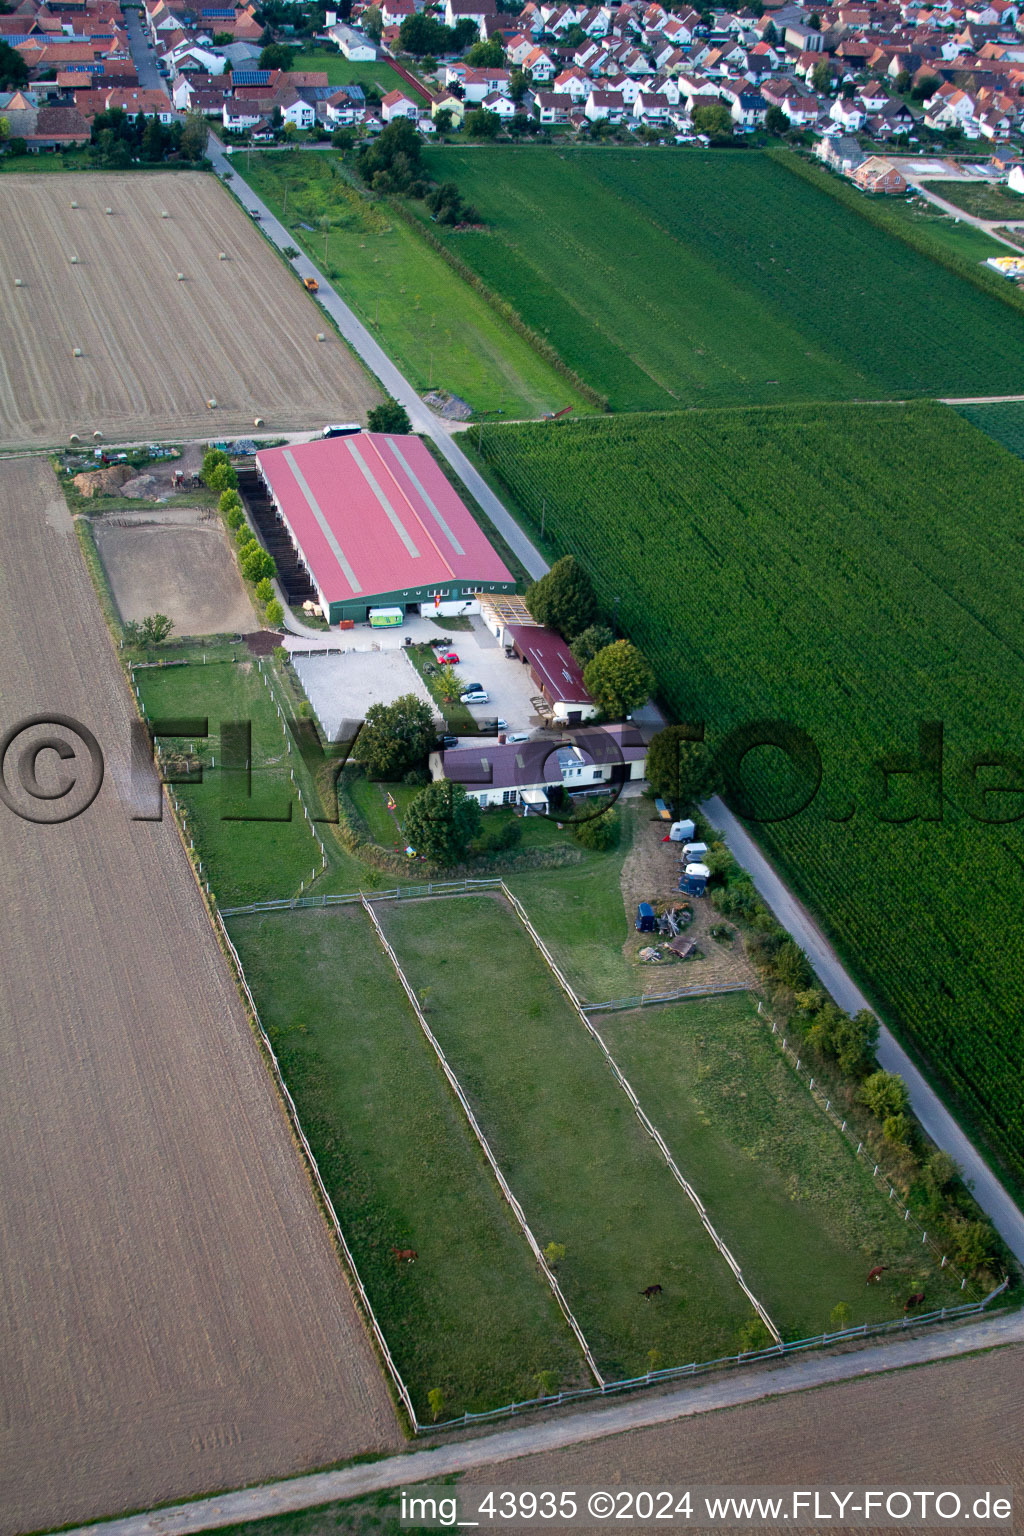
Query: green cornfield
(854, 572)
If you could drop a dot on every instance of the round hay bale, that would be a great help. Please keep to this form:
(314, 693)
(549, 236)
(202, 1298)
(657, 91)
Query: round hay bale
(98, 436)
(320, 336)
(211, 404)
(18, 283)
(164, 214)
(76, 351)
(181, 277)
(258, 421)
(74, 261)
(74, 438)
(222, 255)
(108, 210)
(74, 204)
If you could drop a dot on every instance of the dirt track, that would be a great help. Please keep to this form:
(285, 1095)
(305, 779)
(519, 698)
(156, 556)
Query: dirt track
(172, 1316)
(154, 349)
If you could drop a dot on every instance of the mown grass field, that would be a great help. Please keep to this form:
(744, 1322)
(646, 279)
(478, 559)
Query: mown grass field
(830, 568)
(473, 1314)
(803, 1217)
(247, 860)
(435, 327)
(667, 280)
(566, 1138)
(342, 71)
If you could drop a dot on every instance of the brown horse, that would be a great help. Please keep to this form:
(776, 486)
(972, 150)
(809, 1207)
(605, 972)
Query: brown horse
(404, 1255)
(876, 1273)
(913, 1301)
(649, 1291)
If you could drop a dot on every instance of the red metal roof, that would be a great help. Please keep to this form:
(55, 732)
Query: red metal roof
(552, 663)
(373, 513)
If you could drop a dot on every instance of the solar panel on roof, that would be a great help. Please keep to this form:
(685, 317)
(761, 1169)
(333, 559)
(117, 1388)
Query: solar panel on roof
(225, 13)
(250, 76)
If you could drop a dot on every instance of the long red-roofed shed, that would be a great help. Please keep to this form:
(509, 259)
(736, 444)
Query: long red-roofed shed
(377, 524)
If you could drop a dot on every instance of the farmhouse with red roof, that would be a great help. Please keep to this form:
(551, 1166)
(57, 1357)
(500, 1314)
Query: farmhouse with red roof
(377, 524)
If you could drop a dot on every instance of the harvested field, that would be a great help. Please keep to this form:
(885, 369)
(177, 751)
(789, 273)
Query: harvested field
(154, 349)
(173, 1318)
(177, 562)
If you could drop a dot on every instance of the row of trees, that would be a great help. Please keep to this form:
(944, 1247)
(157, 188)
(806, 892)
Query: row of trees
(256, 565)
(393, 163)
(118, 138)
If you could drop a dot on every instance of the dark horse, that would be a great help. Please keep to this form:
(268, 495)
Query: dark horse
(650, 1290)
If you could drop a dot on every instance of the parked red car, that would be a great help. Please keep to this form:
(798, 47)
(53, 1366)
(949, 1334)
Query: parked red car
(448, 659)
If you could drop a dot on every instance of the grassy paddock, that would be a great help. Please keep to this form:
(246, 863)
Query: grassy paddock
(473, 1315)
(567, 1140)
(803, 1217)
(982, 200)
(246, 860)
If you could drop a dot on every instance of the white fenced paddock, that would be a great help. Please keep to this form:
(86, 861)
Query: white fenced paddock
(778, 1349)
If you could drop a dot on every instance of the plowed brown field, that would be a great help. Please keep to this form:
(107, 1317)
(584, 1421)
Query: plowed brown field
(154, 349)
(173, 1318)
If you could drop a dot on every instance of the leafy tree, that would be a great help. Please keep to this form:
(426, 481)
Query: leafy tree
(925, 87)
(223, 39)
(518, 85)
(194, 135)
(389, 417)
(13, 69)
(547, 1383)
(563, 599)
(619, 679)
(5, 129)
(222, 477)
(396, 737)
(244, 535)
(849, 1041)
(277, 56)
(483, 53)
(593, 639)
(372, 23)
(814, 21)
(449, 684)
(716, 121)
(897, 1129)
(598, 833)
(770, 34)
(264, 590)
(885, 1094)
(235, 518)
(290, 252)
(343, 138)
(839, 1317)
(554, 1253)
(394, 155)
(442, 821)
(681, 770)
(255, 563)
(481, 124)
(422, 34)
(274, 613)
(941, 1172)
(776, 122)
(903, 81)
(821, 75)
(463, 35)
(211, 458)
(156, 629)
(435, 1398)
(443, 120)
(227, 501)
(973, 1243)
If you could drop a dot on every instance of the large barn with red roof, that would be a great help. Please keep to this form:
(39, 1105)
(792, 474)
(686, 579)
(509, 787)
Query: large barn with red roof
(376, 524)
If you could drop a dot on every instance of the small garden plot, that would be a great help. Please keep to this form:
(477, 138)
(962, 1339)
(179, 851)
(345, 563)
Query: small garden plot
(802, 1216)
(250, 860)
(588, 1176)
(472, 1316)
(178, 563)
